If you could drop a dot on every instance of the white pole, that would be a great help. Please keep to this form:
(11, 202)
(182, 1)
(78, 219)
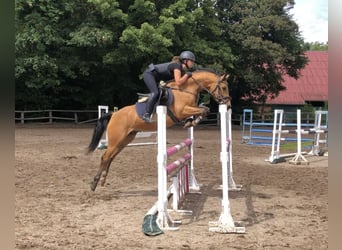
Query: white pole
(225, 224)
(226, 216)
(231, 183)
(299, 158)
(280, 124)
(299, 132)
(276, 135)
(101, 111)
(162, 162)
(164, 221)
(193, 184)
(317, 126)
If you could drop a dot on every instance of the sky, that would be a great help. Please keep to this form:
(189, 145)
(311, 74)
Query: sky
(312, 19)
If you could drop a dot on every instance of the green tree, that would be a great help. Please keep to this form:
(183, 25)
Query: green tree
(314, 46)
(265, 43)
(59, 51)
(83, 53)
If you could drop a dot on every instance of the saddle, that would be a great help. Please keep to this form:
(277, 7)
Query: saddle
(165, 95)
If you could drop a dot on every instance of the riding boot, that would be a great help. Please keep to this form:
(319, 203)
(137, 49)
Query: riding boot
(147, 117)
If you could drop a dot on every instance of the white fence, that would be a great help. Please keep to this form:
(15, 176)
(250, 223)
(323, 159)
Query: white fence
(90, 116)
(50, 116)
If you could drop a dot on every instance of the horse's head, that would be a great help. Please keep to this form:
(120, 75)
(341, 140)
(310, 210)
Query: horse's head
(214, 84)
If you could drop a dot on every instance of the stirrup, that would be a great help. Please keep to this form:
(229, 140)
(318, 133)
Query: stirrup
(147, 117)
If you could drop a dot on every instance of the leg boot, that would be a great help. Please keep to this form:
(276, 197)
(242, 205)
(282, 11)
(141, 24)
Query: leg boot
(147, 117)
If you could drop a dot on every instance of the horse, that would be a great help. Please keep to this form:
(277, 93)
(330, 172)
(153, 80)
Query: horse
(123, 125)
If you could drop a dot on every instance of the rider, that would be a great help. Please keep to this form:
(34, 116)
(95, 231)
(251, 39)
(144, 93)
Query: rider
(177, 69)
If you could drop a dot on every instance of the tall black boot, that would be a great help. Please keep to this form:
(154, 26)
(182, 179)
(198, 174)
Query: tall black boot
(147, 117)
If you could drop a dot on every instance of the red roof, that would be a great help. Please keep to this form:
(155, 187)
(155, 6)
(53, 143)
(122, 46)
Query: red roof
(312, 84)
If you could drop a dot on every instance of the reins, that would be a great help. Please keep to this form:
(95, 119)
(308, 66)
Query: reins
(220, 98)
(184, 90)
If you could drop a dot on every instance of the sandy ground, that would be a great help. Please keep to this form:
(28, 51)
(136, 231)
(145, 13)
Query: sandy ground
(282, 206)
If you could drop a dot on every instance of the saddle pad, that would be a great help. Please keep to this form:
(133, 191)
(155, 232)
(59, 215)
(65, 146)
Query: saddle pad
(140, 106)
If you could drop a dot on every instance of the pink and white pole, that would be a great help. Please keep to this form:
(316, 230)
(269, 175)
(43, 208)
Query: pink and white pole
(180, 178)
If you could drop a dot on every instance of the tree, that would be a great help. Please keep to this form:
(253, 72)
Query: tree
(316, 46)
(59, 51)
(265, 43)
(83, 53)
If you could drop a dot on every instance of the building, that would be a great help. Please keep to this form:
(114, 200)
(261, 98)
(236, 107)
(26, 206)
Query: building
(310, 88)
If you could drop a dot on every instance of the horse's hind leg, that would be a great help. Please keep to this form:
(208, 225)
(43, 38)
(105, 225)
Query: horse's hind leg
(105, 163)
(107, 158)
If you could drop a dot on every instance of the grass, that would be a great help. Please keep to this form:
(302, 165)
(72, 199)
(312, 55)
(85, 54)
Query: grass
(293, 145)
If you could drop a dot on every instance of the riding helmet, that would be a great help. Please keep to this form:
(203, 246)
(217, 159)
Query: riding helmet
(187, 55)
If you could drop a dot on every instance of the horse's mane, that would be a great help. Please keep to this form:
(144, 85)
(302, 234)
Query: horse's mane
(198, 70)
(205, 70)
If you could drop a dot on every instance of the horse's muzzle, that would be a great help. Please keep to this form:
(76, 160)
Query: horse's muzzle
(225, 100)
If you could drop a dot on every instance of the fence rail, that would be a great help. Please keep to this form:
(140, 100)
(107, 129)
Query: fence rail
(86, 116)
(50, 116)
(90, 116)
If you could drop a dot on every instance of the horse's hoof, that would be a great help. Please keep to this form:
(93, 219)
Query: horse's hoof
(187, 124)
(93, 186)
(103, 181)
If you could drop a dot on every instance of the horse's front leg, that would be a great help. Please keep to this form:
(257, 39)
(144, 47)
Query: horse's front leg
(198, 112)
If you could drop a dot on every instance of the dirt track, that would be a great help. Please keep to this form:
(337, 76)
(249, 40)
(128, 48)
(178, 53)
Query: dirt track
(283, 206)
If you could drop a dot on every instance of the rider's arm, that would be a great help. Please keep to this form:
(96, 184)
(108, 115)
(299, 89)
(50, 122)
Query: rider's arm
(179, 79)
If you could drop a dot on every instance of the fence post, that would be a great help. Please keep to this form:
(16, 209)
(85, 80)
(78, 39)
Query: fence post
(50, 116)
(76, 117)
(22, 117)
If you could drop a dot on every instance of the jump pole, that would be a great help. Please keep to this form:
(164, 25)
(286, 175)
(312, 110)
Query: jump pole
(225, 224)
(101, 111)
(232, 186)
(193, 184)
(158, 218)
(163, 219)
(275, 156)
(320, 127)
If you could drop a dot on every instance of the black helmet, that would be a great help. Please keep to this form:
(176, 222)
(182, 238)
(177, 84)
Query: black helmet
(187, 55)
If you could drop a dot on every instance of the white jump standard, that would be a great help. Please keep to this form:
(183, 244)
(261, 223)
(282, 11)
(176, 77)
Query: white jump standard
(158, 218)
(225, 224)
(181, 171)
(298, 157)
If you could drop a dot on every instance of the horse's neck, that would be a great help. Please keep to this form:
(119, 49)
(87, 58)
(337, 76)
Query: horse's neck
(189, 85)
(196, 84)
(192, 86)
(200, 82)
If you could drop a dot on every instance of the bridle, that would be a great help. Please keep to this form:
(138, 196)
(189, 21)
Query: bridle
(219, 98)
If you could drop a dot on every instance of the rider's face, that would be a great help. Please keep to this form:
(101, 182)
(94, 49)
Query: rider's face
(190, 63)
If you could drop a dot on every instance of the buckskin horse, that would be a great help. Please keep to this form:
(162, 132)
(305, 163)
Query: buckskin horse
(123, 125)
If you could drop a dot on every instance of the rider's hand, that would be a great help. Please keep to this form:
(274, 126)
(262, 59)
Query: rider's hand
(189, 74)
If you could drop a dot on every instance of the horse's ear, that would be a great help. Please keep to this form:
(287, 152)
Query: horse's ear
(224, 77)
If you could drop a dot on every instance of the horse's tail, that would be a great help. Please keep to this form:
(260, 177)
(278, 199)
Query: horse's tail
(100, 127)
